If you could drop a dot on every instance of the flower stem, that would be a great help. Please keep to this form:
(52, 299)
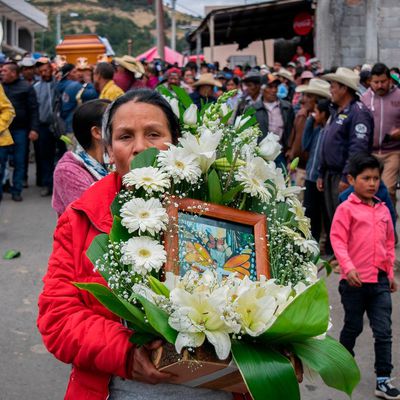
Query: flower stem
(243, 202)
(229, 179)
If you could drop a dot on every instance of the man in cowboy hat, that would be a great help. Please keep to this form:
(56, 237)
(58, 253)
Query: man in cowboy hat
(274, 115)
(27, 65)
(129, 73)
(252, 94)
(287, 87)
(348, 131)
(204, 90)
(316, 90)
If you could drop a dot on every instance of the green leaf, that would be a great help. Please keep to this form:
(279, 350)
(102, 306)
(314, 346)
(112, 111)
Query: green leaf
(249, 111)
(331, 360)
(214, 187)
(163, 90)
(307, 316)
(226, 117)
(182, 95)
(158, 319)
(230, 195)
(252, 121)
(97, 248)
(118, 232)
(268, 374)
(158, 287)
(229, 153)
(145, 159)
(115, 206)
(10, 254)
(117, 306)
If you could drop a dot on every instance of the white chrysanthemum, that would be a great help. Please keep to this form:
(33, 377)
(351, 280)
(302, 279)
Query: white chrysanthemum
(149, 178)
(144, 254)
(253, 177)
(144, 216)
(203, 147)
(180, 165)
(284, 191)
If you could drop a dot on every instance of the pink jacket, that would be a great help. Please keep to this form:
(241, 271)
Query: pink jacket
(362, 238)
(386, 111)
(71, 179)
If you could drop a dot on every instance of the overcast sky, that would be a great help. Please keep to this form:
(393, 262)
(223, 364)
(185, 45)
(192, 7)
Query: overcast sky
(196, 7)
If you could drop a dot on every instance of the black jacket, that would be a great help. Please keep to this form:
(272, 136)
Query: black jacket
(287, 117)
(23, 98)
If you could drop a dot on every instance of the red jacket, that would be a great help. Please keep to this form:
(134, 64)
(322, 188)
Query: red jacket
(75, 327)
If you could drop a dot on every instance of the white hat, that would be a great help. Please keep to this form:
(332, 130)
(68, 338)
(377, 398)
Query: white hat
(27, 62)
(207, 79)
(345, 76)
(317, 87)
(284, 73)
(131, 64)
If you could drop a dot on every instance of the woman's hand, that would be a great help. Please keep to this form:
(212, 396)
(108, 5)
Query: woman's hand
(143, 369)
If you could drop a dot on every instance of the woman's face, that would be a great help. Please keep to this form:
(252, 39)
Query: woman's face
(136, 127)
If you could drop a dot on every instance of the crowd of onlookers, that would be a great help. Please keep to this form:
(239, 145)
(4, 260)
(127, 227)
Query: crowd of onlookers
(321, 117)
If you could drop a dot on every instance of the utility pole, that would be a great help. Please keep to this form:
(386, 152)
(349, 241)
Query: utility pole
(160, 28)
(58, 28)
(173, 26)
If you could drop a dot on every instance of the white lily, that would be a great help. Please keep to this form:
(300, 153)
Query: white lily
(224, 109)
(190, 115)
(269, 147)
(197, 317)
(255, 308)
(174, 103)
(204, 147)
(240, 121)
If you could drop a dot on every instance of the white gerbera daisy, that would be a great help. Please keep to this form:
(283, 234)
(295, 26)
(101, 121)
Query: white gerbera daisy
(144, 254)
(179, 164)
(141, 215)
(149, 178)
(253, 176)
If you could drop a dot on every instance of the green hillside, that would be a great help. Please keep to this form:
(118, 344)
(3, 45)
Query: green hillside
(117, 20)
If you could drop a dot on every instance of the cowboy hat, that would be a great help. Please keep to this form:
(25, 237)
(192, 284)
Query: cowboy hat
(317, 87)
(27, 62)
(345, 76)
(252, 76)
(131, 64)
(207, 79)
(284, 73)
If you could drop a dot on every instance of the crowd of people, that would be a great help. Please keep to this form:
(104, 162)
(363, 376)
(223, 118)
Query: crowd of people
(325, 119)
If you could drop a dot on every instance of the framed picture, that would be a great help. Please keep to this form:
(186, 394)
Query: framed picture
(203, 235)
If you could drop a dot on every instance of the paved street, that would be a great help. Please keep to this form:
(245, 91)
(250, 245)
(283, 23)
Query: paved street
(27, 371)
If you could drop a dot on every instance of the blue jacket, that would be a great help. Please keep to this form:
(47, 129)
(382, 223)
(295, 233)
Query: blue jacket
(311, 142)
(382, 194)
(68, 90)
(346, 133)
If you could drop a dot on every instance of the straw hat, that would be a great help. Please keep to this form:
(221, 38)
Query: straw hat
(345, 76)
(316, 86)
(131, 64)
(284, 73)
(306, 75)
(207, 79)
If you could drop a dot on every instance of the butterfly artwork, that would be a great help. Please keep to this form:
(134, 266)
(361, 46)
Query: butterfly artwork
(206, 243)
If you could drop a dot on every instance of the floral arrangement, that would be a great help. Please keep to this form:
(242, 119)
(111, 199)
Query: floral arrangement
(252, 321)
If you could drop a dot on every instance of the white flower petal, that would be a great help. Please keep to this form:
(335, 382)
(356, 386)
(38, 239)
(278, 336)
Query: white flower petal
(221, 341)
(189, 340)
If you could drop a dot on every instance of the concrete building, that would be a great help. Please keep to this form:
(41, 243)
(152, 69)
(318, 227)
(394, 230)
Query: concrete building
(351, 32)
(19, 21)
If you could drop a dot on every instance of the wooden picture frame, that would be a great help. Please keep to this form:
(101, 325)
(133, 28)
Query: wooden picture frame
(201, 219)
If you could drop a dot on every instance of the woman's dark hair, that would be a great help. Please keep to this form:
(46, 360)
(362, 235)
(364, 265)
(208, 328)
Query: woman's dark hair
(235, 80)
(323, 106)
(380, 69)
(87, 116)
(359, 162)
(140, 96)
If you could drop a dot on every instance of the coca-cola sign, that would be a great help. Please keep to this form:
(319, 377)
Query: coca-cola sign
(303, 24)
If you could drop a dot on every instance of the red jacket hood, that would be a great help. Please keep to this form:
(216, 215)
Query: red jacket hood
(96, 201)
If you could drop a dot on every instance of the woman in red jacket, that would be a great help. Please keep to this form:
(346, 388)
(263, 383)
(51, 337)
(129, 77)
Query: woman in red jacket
(75, 327)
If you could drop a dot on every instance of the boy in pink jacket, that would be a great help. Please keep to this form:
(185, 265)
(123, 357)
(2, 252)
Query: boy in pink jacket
(362, 238)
